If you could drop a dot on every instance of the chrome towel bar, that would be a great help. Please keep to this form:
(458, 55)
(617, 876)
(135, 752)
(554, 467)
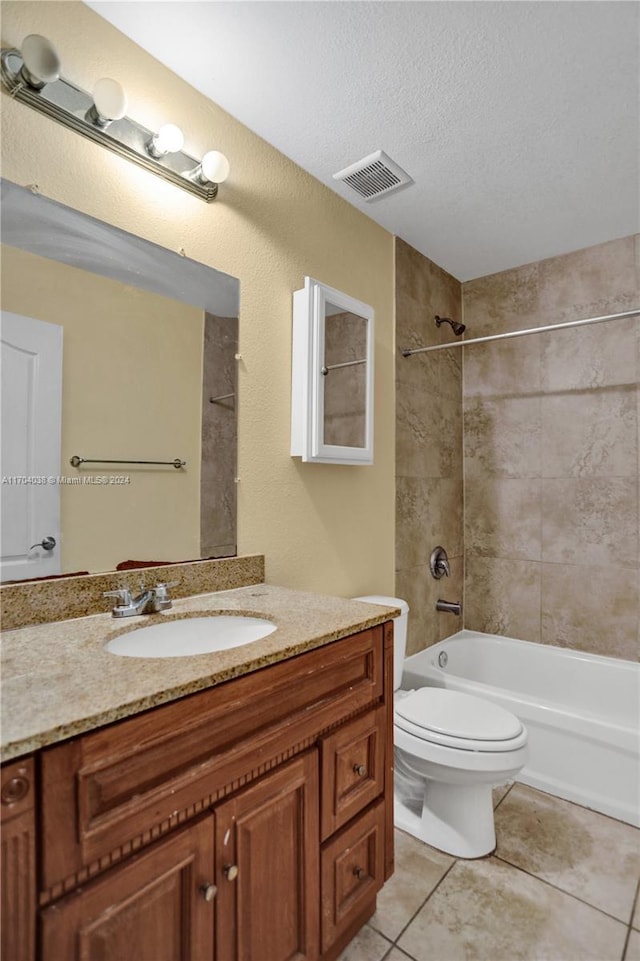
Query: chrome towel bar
(77, 461)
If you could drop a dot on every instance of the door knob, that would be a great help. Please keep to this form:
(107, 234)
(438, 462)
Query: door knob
(47, 543)
(208, 891)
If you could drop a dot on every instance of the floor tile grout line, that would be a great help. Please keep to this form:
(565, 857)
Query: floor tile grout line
(635, 902)
(394, 947)
(505, 795)
(561, 890)
(422, 904)
(630, 927)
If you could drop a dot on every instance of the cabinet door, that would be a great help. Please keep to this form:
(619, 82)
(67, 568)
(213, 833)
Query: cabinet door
(267, 867)
(152, 908)
(17, 808)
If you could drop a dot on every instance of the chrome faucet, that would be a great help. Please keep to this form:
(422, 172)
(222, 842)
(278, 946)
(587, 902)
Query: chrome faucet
(149, 601)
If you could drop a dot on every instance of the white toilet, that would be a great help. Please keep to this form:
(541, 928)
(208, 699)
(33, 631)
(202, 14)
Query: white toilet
(451, 750)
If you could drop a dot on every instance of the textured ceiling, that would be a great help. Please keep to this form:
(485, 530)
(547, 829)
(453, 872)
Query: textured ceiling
(518, 121)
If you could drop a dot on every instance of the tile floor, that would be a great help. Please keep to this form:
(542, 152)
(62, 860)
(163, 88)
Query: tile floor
(562, 885)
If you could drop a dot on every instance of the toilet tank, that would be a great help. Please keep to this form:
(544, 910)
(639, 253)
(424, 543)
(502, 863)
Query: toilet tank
(399, 631)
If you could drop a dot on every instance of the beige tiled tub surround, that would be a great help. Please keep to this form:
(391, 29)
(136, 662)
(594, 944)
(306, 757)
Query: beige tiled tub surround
(550, 434)
(551, 454)
(58, 680)
(39, 602)
(428, 445)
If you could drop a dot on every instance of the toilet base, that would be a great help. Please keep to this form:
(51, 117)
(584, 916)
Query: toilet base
(456, 819)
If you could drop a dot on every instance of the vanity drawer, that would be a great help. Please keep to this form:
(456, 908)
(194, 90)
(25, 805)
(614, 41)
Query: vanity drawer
(107, 793)
(352, 873)
(352, 764)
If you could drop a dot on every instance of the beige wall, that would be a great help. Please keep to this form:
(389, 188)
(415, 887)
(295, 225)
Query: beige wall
(428, 445)
(551, 454)
(322, 527)
(124, 352)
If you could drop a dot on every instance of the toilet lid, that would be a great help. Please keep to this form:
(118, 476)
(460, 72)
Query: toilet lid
(451, 714)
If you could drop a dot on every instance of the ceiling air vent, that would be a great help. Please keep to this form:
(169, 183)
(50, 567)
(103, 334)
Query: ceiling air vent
(374, 177)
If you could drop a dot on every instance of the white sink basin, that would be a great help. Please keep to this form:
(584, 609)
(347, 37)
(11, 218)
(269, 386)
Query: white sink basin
(184, 637)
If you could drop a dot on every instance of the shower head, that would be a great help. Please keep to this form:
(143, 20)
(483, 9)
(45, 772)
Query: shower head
(455, 326)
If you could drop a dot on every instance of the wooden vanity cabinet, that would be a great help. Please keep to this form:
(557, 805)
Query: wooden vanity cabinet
(249, 822)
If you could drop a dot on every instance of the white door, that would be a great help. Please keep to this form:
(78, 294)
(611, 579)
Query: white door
(31, 377)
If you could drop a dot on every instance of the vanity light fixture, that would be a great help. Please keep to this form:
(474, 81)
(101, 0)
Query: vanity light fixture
(32, 76)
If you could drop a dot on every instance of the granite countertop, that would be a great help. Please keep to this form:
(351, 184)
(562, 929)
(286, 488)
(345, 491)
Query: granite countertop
(58, 681)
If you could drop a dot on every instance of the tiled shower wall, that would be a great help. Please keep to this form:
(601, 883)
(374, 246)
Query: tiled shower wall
(550, 464)
(218, 493)
(428, 445)
(551, 454)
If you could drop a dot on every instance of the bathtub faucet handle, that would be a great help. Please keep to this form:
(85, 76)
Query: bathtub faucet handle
(439, 563)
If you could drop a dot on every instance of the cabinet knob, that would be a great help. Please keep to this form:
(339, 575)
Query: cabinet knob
(15, 790)
(360, 873)
(208, 891)
(230, 871)
(360, 769)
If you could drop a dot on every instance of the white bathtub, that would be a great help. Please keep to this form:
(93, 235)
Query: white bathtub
(582, 712)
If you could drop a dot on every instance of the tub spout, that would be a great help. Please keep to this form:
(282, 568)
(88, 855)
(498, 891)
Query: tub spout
(449, 607)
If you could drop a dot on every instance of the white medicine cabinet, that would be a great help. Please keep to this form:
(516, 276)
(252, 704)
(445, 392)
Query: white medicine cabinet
(332, 377)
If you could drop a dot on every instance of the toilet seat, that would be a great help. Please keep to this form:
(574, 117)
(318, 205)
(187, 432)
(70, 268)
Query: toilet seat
(460, 721)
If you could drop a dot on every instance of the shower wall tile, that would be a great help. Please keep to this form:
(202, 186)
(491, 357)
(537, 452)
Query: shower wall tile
(429, 485)
(551, 435)
(503, 518)
(574, 600)
(502, 596)
(417, 515)
(562, 406)
(502, 438)
(417, 586)
(590, 357)
(588, 283)
(590, 433)
(503, 369)
(501, 302)
(590, 521)
(429, 513)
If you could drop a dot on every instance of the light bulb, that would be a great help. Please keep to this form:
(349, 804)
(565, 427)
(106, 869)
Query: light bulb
(215, 167)
(40, 61)
(168, 139)
(110, 99)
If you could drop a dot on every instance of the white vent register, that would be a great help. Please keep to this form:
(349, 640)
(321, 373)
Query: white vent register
(374, 176)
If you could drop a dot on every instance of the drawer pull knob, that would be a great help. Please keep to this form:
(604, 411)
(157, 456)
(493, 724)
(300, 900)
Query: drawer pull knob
(360, 769)
(15, 790)
(360, 873)
(208, 891)
(231, 871)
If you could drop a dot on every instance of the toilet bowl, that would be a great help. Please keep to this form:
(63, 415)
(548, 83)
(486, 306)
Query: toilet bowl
(451, 750)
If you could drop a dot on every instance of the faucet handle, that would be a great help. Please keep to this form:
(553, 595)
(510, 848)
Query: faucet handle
(163, 588)
(161, 592)
(123, 595)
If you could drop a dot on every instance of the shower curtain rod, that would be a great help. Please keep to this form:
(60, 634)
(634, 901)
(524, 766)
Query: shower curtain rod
(408, 351)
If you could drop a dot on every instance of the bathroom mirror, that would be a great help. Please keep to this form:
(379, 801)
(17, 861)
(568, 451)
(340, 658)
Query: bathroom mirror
(332, 377)
(149, 344)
